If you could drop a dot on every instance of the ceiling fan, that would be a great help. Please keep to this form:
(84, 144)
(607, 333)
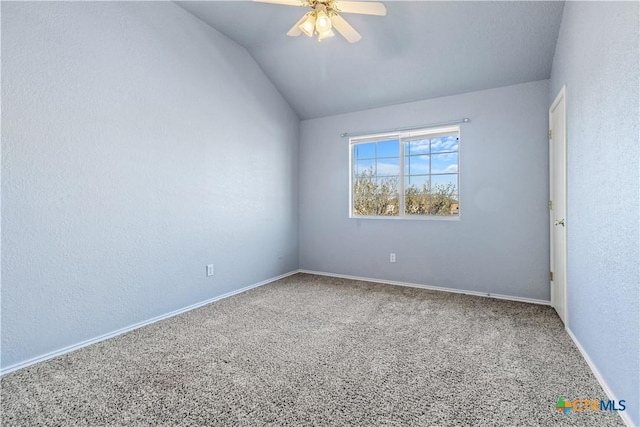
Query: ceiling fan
(324, 17)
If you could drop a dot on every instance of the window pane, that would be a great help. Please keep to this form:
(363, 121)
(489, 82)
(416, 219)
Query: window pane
(364, 196)
(417, 198)
(418, 146)
(386, 196)
(444, 143)
(366, 167)
(455, 206)
(389, 148)
(388, 167)
(444, 194)
(364, 151)
(444, 163)
(450, 180)
(417, 181)
(416, 165)
(389, 181)
(387, 200)
(373, 197)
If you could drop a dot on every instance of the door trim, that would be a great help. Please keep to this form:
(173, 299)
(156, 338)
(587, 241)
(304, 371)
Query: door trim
(562, 95)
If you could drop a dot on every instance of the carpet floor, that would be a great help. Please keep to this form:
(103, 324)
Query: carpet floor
(312, 350)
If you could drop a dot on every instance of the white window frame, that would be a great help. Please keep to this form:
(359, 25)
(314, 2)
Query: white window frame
(402, 137)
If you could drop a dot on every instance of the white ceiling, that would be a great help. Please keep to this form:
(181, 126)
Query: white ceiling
(420, 50)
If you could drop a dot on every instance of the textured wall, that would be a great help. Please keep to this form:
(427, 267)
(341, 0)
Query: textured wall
(597, 58)
(502, 234)
(139, 145)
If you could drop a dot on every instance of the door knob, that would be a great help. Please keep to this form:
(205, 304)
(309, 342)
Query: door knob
(559, 222)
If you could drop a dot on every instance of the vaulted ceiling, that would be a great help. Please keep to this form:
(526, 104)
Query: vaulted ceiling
(420, 50)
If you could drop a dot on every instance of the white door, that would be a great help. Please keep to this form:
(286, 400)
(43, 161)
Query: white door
(558, 203)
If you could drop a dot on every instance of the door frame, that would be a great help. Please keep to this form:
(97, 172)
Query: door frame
(562, 96)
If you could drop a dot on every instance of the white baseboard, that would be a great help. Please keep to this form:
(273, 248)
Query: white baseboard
(432, 288)
(130, 328)
(623, 414)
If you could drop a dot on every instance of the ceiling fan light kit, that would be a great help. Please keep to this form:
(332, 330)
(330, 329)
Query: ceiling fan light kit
(324, 17)
(325, 35)
(309, 25)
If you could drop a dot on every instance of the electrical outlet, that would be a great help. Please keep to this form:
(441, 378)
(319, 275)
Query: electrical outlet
(210, 270)
(392, 257)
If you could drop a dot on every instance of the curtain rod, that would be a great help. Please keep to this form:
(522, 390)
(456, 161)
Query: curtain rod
(452, 122)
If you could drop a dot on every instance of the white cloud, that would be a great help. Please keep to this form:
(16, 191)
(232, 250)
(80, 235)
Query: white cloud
(448, 169)
(418, 147)
(437, 157)
(419, 165)
(445, 144)
(386, 169)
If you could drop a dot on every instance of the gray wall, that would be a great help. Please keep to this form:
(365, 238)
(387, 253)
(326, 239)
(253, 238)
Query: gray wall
(597, 58)
(500, 244)
(139, 145)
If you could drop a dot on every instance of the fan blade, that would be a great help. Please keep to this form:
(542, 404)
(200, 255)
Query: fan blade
(284, 2)
(344, 28)
(366, 8)
(295, 31)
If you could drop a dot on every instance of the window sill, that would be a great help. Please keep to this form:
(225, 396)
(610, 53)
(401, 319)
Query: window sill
(411, 217)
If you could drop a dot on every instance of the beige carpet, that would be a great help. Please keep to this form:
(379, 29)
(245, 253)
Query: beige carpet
(310, 350)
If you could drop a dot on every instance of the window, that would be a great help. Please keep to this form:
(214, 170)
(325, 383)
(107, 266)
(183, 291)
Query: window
(410, 174)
